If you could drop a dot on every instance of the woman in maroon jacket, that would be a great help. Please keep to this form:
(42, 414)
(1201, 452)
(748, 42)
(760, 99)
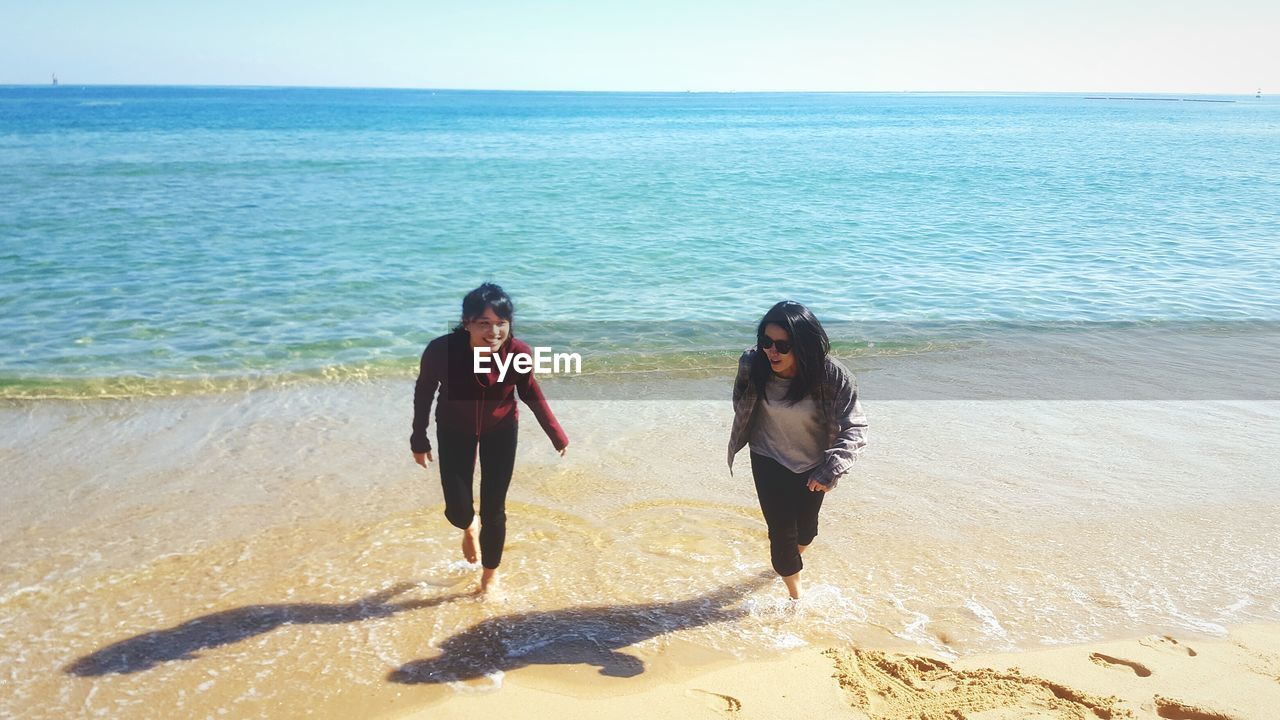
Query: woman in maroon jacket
(477, 410)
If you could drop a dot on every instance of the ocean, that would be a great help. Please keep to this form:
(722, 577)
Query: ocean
(162, 240)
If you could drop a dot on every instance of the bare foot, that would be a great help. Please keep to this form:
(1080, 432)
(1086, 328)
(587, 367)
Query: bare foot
(469, 543)
(793, 585)
(488, 581)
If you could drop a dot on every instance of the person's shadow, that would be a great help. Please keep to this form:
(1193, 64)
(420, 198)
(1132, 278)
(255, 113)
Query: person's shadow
(182, 642)
(584, 635)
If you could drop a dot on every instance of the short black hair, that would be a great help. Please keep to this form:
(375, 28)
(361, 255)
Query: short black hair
(489, 296)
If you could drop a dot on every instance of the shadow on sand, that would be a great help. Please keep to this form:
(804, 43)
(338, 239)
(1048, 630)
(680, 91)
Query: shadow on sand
(583, 635)
(229, 626)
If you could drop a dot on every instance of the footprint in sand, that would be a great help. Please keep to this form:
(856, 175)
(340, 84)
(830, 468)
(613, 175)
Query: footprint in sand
(726, 703)
(1174, 710)
(890, 687)
(1166, 644)
(1107, 661)
(1266, 664)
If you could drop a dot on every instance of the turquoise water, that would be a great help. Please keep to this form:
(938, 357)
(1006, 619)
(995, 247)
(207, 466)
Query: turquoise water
(174, 239)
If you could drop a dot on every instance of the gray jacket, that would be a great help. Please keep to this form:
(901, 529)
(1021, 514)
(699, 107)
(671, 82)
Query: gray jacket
(837, 396)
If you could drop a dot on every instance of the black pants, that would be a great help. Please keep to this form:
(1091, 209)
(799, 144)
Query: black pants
(497, 452)
(790, 510)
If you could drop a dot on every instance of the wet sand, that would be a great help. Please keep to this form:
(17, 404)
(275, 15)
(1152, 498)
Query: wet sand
(277, 554)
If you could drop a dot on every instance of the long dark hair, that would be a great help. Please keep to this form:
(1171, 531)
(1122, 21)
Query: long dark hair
(487, 296)
(809, 344)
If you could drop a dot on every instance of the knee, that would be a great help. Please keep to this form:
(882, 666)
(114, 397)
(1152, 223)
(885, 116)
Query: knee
(784, 556)
(783, 538)
(459, 518)
(787, 566)
(493, 517)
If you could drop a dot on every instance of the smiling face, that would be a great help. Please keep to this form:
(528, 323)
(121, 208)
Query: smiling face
(488, 330)
(782, 364)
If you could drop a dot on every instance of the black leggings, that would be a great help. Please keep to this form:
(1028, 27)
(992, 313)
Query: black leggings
(790, 510)
(457, 473)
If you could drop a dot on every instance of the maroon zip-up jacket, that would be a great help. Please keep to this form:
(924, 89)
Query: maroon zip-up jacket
(470, 402)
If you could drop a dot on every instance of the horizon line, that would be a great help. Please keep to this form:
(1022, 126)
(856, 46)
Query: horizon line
(638, 91)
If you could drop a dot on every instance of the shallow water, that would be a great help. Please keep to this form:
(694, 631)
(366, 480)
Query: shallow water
(265, 552)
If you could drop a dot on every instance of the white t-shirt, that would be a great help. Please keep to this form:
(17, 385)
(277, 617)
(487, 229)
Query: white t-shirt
(791, 434)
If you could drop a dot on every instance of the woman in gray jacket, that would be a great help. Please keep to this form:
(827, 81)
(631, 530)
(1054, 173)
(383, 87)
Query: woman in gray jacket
(798, 410)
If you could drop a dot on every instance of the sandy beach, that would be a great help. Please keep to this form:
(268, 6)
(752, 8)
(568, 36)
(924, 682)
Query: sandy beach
(277, 554)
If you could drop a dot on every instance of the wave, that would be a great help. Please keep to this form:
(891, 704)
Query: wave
(614, 363)
(1123, 360)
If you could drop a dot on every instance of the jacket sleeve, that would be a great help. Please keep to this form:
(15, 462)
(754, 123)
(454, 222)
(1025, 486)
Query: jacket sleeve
(851, 433)
(430, 374)
(740, 386)
(531, 394)
(744, 374)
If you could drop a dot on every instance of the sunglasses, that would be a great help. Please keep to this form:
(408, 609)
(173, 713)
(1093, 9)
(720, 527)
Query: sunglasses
(766, 342)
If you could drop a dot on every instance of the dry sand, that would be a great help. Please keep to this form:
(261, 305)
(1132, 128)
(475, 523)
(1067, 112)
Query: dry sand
(1157, 676)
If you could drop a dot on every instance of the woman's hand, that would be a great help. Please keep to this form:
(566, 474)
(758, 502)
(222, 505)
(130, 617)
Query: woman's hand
(816, 486)
(563, 450)
(422, 458)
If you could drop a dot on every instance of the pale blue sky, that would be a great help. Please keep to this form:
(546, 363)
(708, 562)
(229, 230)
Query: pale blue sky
(1076, 45)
